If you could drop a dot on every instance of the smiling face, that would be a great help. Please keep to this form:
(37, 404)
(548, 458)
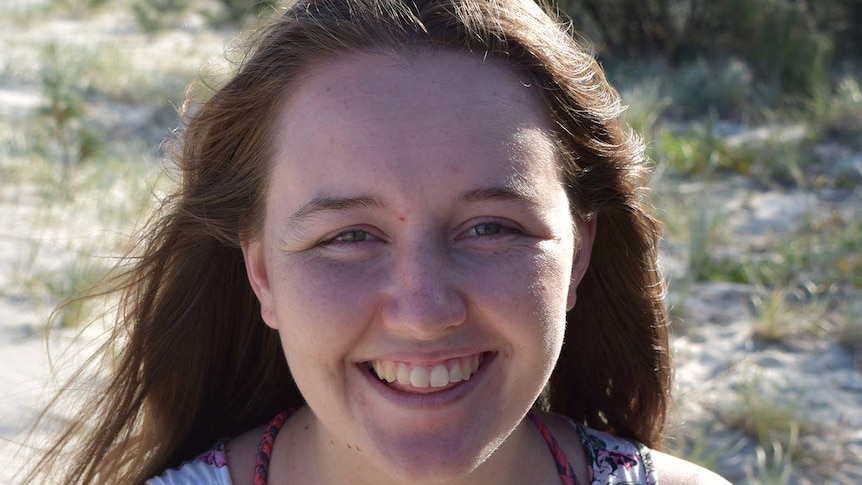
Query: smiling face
(417, 259)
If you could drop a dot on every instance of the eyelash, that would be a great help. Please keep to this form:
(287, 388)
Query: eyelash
(338, 238)
(499, 229)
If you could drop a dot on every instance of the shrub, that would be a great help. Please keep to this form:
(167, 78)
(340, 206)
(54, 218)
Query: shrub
(784, 44)
(155, 15)
(78, 7)
(837, 113)
(235, 12)
(700, 151)
(723, 88)
(65, 109)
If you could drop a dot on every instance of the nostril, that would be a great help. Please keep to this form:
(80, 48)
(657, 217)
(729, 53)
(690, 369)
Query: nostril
(422, 315)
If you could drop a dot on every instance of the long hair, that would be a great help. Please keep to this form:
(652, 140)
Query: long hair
(194, 362)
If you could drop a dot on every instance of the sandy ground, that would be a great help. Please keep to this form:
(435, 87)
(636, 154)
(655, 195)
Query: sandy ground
(718, 358)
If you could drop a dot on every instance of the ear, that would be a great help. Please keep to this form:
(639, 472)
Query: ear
(255, 267)
(587, 234)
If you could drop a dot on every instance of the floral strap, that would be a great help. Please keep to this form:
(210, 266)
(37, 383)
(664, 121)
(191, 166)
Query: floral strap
(564, 468)
(264, 454)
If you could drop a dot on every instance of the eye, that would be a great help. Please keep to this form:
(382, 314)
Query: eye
(351, 236)
(485, 229)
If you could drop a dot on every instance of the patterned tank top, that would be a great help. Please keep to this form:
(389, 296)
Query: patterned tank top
(610, 460)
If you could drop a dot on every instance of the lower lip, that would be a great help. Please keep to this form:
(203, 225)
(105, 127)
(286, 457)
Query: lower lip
(432, 399)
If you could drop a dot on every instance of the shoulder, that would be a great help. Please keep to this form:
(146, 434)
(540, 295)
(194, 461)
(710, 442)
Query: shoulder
(672, 470)
(209, 468)
(612, 459)
(241, 453)
(646, 465)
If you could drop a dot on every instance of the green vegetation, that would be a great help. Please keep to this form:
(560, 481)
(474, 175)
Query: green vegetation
(771, 315)
(73, 287)
(725, 109)
(760, 95)
(837, 112)
(237, 12)
(787, 45)
(851, 328)
(704, 233)
(775, 467)
(78, 8)
(769, 418)
(695, 448)
(65, 110)
(154, 16)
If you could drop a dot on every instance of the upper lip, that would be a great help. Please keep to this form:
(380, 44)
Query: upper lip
(424, 359)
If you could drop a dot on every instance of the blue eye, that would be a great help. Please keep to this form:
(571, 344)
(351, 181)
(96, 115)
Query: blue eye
(486, 229)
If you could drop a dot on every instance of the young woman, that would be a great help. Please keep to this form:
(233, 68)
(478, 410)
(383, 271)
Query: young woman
(410, 246)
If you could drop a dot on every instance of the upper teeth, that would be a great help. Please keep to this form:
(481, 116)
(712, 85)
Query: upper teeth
(438, 375)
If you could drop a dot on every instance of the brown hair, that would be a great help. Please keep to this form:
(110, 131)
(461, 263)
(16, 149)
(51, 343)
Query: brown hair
(195, 361)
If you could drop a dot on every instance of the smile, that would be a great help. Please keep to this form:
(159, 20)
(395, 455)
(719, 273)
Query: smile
(408, 376)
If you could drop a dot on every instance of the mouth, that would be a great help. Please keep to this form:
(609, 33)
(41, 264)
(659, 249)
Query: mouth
(423, 379)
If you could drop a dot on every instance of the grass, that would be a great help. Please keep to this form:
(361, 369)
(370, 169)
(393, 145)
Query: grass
(825, 250)
(695, 447)
(705, 229)
(112, 192)
(680, 113)
(837, 112)
(771, 315)
(156, 15)
(775, 466)
(779, 163)
(78, 8)
(65, 110)
(700, 152)
(72, 287)
(677, 293)
(851, 329)
(767, 418)
(646, 108)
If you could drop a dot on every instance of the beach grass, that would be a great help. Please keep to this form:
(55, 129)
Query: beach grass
(82, 161)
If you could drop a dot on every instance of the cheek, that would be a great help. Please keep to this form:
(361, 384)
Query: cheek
(529, 294)
(550, 289)
(322, 311)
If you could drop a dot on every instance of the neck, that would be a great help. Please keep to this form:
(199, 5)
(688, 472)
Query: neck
(308, 453)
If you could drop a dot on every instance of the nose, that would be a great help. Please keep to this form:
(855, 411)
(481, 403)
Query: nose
(423, 300)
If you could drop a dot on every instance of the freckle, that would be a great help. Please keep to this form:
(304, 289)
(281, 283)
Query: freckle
(357, 449)
(349, 447)
(401, 218)
(306, 428)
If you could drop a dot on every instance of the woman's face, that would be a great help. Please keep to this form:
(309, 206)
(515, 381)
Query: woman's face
(417, 257)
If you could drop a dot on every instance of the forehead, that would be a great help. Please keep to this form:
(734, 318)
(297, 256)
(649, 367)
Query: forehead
(420, 117)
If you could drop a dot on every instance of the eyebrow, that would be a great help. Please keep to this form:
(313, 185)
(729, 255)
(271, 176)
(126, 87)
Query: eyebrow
(328, 203)
(515, 193)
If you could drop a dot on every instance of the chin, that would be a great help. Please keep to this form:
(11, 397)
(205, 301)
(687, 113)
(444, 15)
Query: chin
(432, 459)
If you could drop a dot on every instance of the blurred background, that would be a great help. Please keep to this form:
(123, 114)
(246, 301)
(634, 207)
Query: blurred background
(752, 113)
